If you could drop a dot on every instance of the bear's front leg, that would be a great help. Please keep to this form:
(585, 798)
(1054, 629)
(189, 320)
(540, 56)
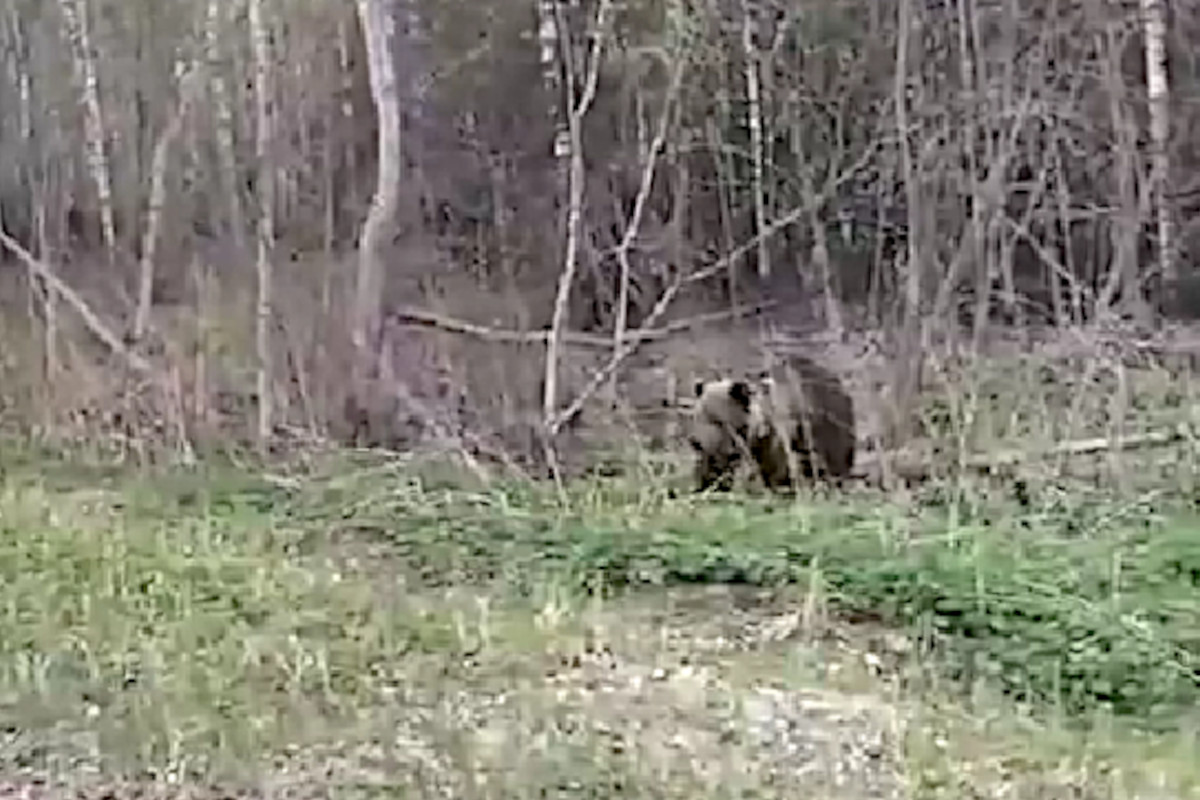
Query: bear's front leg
(716, 474)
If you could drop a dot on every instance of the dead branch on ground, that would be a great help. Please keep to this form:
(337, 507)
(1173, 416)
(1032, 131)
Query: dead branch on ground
(95, 325)
(429, 319)
(912, 468)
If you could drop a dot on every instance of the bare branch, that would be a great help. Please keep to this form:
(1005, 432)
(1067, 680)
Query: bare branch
(575, 188)
(188, 86)
(633, 226)
(428, 319)
(94, 324)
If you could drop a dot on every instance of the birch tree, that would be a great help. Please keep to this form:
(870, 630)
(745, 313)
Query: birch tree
(548, 45)
(378, 20)
(216, 14)
(909, 363)
(754, 121)
(264, 116)
(188, 85)
(577, 108)
(1154, 24)
(78, 32)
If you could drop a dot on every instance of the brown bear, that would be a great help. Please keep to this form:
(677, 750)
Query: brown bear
(797, 417)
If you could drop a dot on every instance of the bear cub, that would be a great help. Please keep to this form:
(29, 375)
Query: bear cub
(797, 416)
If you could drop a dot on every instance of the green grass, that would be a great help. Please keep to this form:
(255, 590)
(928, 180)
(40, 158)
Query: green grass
(380, 630)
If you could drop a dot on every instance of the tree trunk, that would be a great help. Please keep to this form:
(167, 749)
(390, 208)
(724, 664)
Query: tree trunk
(577, 110)
(75, 18)
(378, 19)
(908, 366)
(755, 123)
(1154, 22)
(264, 146)
(188, 86)
(224, 122)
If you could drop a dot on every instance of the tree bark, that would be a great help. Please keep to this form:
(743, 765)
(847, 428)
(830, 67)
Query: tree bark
(754, 121)
(188, 86)
(78, 29)
(224, 121)
(1154, 23)
(577, 110)
(378, 19)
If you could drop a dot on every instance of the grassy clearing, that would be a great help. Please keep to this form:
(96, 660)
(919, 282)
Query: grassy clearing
(369, 632)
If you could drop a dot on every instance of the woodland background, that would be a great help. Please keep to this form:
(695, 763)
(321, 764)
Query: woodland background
(237, 236)
(489, 224)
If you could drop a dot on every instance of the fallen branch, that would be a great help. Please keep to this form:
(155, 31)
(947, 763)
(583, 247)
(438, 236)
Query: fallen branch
(429, 319)
(912, 469)
(93, 322)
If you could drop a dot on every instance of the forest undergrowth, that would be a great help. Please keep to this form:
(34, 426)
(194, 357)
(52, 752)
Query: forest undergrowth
(370, 626)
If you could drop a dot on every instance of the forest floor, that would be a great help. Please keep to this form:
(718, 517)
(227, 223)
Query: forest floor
(367, 630)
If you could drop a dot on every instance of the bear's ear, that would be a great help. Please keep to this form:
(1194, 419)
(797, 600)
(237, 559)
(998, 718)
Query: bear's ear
(739, 392)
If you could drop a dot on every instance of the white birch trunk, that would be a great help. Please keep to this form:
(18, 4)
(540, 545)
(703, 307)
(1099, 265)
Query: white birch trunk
(578, 110)
(754, 121)
(1154, 24)
(378, 21)
(264, 146)
(75, 19)
(157, 202)
(549, 37)
(223, 112)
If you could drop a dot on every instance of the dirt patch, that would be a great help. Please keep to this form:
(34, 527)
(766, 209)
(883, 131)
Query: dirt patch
(671, 694)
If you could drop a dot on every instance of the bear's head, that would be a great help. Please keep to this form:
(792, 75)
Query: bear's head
(722, 423)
